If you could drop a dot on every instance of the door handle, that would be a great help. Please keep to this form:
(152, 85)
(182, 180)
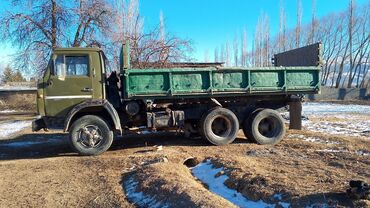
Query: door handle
(49, 83)
(86, 89)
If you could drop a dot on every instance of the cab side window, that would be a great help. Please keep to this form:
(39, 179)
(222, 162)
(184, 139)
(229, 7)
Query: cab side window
(71, 66)
(77, 65)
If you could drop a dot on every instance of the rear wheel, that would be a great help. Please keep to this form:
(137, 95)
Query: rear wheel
(90, 135)
(219, 126)
(265, 127)
(247, 125)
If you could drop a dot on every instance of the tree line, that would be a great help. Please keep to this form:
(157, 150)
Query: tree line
(345, 36)
(10, 75)
(36, 27)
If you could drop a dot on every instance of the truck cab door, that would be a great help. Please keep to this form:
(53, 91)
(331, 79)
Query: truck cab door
(70, 82)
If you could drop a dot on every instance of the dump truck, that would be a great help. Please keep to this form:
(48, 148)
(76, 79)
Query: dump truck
(215, 102)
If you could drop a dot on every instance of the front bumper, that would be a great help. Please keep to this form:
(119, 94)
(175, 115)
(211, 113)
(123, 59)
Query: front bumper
(38, 124)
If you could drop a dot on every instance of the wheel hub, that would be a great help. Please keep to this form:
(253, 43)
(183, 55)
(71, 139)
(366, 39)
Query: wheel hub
(267, 127)
(221, 126)
(90, 136)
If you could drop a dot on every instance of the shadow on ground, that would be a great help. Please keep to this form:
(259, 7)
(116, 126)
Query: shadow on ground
(34, 146)
(44, 145)
(325, 200)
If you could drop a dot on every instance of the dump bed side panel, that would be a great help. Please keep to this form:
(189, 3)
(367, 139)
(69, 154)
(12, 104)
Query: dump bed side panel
(170, 83)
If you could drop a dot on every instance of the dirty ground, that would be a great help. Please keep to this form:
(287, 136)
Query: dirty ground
(309, 168)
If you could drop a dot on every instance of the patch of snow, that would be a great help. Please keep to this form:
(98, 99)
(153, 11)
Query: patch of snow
(350, 128)
(313, 108)
(312, 139)
(359, 152)
(8, 129)
(280, 198)
(352, 118)
(333, 151)
(20, 88)
(8, 111)
(363, 152)
(206, 173)
(139, 198)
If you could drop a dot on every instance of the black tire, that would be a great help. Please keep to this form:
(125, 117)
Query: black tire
(265, 127)
(219, 126)
(90, 135)
(247, 125)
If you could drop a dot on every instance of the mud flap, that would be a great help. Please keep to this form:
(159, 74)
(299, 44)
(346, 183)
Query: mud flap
(38, 124)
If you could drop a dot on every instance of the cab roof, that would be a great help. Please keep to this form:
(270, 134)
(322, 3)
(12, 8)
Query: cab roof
(77, 49)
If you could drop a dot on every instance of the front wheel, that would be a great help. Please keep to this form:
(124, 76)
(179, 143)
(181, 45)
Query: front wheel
(265, 127)
(90, 135)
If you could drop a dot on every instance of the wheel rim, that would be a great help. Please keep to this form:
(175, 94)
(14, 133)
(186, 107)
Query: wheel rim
(221, 126)
(269, 127)
(90, 136)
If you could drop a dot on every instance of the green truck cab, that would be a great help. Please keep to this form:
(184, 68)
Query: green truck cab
(76, 95)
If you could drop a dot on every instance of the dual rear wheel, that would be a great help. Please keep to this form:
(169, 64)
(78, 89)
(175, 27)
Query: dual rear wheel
(265, 127)
(220, 126)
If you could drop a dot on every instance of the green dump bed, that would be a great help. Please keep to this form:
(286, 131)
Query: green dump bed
(215, 82)
(295, 72)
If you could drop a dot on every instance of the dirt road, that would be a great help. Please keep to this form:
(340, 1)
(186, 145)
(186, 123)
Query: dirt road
(307, 169)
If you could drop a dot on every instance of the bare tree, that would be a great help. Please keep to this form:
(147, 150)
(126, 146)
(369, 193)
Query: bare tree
(162, 33)
(223, 54)
(236, 50)
(206, 56)
(34, 32)
(346, 40)
(128, 27)
(365, 72)
(227, 54)
(347, 53)
(244, 48)
(266, 41)
(262, 41)
(46, 24)
(92, 17)
(311, 37)
(360, 43)
(282, 28)
(299, 23)
(153, 48)
(258, 42)
(216, 55)
(330, 35)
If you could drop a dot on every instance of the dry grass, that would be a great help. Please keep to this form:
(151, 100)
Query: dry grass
(50, 175)
(18, 102)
